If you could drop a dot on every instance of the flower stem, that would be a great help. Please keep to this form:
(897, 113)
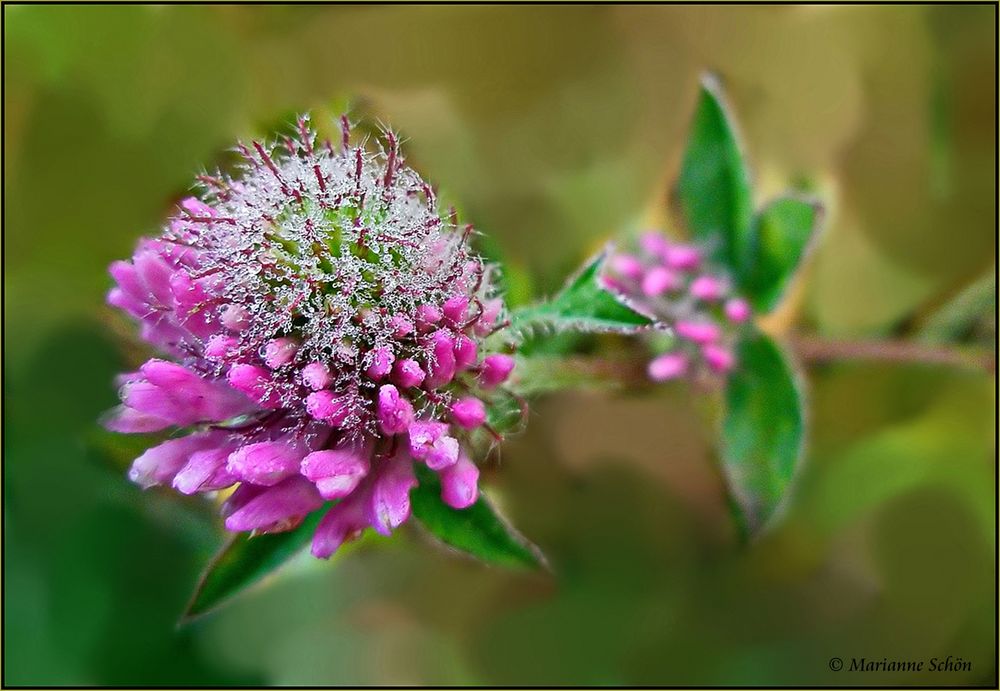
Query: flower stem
(549, 373)
(815, 349)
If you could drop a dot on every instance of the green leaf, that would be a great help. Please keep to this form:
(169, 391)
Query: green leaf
(478, 531)
(714, 186)
(780, 237)
(582, 305)
(971, 309)
(763, 430)
(243, 561)
(538, 374)
(505, 412)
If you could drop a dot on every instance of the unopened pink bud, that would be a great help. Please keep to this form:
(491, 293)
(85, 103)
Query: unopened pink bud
(407, 373)
(246, 378)
(460, 484)
(488, 318)
(659, 280)
(684, 257)
(654, 243)
(394, 412)
(266, 463)
(465, 351)
(668, 366)
(381, 363)
(256, 383)
(719, 359)
(441, 368)
(699, 332)
(235, 317)
(280, 352)
(328, 407)
(427, 317)
(455, 308)
(401, 326)
(423, 434)
(627, 265)
(468, 412)
(495, 370)
(429, 442)
(336, 472)
(737, 310)
(196, 207)
(707, 288)
(220, 346)
(316, 376)
(613, 283)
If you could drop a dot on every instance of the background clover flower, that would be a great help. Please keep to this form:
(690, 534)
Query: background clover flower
(673, 283)
(324, 326)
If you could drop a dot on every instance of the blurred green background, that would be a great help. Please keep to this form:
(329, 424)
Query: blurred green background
(555, 127)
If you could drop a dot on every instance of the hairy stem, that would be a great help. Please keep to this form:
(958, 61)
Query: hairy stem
(816, 349)
(547, 373)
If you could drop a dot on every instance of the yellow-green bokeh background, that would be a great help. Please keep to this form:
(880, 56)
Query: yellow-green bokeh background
(555, 127)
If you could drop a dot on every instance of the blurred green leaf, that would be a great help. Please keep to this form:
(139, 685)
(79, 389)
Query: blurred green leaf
(714, 186)
(780, 236)
(243, 561)
(582, 305)
(975, 306)
(539, 374)
(118, 451)
(762, 431)
(945, 445)
(478, 531)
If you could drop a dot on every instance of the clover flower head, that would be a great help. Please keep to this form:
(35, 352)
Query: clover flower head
(673, 282)
(323, 324)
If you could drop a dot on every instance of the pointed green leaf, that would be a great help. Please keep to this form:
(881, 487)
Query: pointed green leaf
(971, 310)
(781, 235)
(714, 186)
(478, 531)
(243, 561)
(763, 430)
(582, 305)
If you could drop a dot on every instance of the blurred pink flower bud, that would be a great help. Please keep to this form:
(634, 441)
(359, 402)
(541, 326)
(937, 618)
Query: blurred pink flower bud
(707, 288)
(627, 265)
(699, 332)
(659, 280)
(684, 257)
(737, 310)
(668, 366)
(654, 243)
(719, 359)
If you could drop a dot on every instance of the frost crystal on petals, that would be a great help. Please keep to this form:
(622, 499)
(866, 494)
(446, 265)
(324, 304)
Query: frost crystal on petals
(317, 305)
